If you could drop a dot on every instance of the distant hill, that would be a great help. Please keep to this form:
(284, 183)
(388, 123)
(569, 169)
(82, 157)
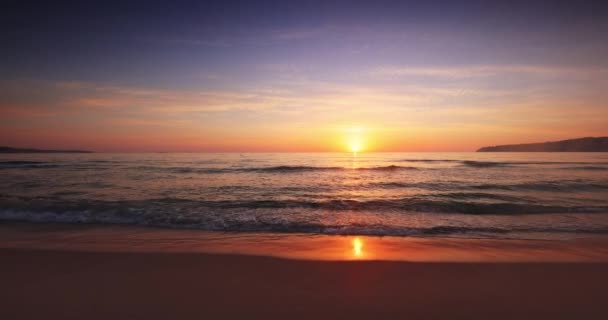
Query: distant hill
(589, 144)
(22, 150)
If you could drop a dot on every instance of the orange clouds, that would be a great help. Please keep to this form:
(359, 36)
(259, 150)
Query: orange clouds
(404, 113)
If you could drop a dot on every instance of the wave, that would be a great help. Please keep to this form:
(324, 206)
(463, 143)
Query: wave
(469, 163)
(273, 169)
(280, 169)
(551, 185)
(491, 163)
(593, 168)
(18, 164)
(575, 165)
(385, 168)
(428, 160)
(81, 165)
(108, 164)
(31, 166)
(484, 164)
(186, 170)
(477, 196)
(313, 168)
(276, 169)
(264, 223)
(452, 203)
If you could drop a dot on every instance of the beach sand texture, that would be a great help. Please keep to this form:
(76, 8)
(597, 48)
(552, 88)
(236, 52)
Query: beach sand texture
(73, 283)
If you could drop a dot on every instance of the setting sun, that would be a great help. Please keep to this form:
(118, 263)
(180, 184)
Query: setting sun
(354, 137)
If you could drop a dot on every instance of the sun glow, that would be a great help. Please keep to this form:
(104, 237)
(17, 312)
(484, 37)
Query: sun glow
(354, 138)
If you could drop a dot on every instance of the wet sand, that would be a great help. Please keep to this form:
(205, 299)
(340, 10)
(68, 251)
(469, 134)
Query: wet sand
(165, 283)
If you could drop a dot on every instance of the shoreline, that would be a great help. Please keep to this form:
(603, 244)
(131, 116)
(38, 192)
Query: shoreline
(121, 238)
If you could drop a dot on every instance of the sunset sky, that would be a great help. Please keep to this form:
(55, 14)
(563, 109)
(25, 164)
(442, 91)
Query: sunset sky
(301, 76)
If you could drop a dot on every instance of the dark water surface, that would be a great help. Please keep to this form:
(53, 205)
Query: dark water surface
(497, 195)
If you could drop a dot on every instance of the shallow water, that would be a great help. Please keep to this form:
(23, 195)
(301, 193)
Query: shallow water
(495, 195)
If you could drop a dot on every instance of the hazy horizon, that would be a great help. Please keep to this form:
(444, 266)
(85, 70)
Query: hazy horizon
(346, 150)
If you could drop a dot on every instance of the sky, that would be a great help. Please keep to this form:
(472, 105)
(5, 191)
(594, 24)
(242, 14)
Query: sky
(300, 76)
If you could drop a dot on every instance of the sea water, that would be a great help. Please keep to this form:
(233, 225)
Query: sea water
(488, 195)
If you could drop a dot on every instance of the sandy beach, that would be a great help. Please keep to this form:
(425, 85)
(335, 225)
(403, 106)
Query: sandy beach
(69, 282)
(80, 285)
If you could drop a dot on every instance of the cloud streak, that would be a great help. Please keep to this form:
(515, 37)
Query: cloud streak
(477, 71)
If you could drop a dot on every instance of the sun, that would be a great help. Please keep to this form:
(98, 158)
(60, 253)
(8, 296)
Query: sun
(354, 138)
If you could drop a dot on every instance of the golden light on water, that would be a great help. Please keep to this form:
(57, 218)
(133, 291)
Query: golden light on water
(357, 247)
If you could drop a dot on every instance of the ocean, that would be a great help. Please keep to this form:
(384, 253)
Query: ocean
(467, 195)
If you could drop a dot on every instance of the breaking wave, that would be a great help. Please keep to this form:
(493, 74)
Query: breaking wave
(552, 186)
(260, 221)
(454, 203)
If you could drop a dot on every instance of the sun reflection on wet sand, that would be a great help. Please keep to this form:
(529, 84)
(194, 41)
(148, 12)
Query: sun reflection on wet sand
(301, 246)
(357, 247)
